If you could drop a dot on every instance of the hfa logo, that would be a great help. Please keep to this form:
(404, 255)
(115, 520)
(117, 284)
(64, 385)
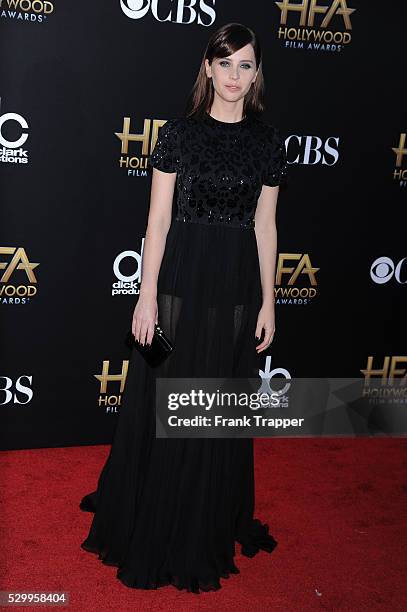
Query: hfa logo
(12, 289)
(26, 10)
(11, 151)
(294, 290)
(309, 32)
(386, 383)
(135, 161)
(388, 370)
(113, 400)
(400, 173)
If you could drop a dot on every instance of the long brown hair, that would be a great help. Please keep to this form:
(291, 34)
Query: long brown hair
(227, 40)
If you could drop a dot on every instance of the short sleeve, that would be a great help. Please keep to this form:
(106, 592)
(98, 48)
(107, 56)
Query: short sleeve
(166, 153)
(275, 159)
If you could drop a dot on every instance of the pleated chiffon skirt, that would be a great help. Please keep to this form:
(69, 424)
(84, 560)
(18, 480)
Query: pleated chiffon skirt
(170, 511)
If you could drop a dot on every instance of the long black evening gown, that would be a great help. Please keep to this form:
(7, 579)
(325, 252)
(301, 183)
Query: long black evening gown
(168, 511)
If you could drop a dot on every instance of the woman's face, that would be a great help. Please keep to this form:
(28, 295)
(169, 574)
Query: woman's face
(232, 76)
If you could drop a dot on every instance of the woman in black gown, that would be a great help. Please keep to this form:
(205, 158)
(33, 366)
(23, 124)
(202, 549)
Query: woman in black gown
(169, 511)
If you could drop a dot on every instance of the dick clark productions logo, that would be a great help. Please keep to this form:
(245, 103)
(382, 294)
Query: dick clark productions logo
(11, 151)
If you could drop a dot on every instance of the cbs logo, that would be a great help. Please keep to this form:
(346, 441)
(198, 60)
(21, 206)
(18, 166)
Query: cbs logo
(383, 269)
(16, 393)
(137, 9)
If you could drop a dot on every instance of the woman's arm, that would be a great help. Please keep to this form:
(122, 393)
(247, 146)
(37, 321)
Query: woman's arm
(159, 220)
(266, 237)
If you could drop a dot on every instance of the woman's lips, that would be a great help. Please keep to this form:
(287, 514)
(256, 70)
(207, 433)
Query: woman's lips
(233, 87)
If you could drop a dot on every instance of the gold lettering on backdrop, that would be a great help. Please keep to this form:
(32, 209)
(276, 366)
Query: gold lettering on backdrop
(148, 138)
(389, 370)
(28, 6)
(304, 266)
(401, 150)
(126, 136)
(105, 377)
(19, 261)
(309, 8)
(305, 31)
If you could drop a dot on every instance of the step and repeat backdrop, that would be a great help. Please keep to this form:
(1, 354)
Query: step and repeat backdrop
(84, 90)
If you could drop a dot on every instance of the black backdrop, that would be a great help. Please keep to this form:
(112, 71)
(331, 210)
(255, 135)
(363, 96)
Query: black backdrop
(72, 78)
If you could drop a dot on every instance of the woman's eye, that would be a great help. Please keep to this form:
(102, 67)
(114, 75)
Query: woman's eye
(245, 66)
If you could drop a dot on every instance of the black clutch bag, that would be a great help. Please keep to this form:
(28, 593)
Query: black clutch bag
(158, 350)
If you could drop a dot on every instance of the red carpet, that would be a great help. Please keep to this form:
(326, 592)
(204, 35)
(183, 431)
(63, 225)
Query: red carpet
(336, 506)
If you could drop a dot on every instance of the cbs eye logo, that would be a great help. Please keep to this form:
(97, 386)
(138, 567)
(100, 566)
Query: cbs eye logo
(383, 269)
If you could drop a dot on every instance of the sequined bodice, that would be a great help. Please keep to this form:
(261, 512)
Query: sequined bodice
(221, 167)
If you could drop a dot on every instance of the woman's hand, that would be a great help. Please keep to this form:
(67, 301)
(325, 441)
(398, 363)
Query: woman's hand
(266, 321)
(144, 318)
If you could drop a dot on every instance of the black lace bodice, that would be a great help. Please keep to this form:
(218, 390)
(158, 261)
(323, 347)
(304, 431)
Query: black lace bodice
(221, 167)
